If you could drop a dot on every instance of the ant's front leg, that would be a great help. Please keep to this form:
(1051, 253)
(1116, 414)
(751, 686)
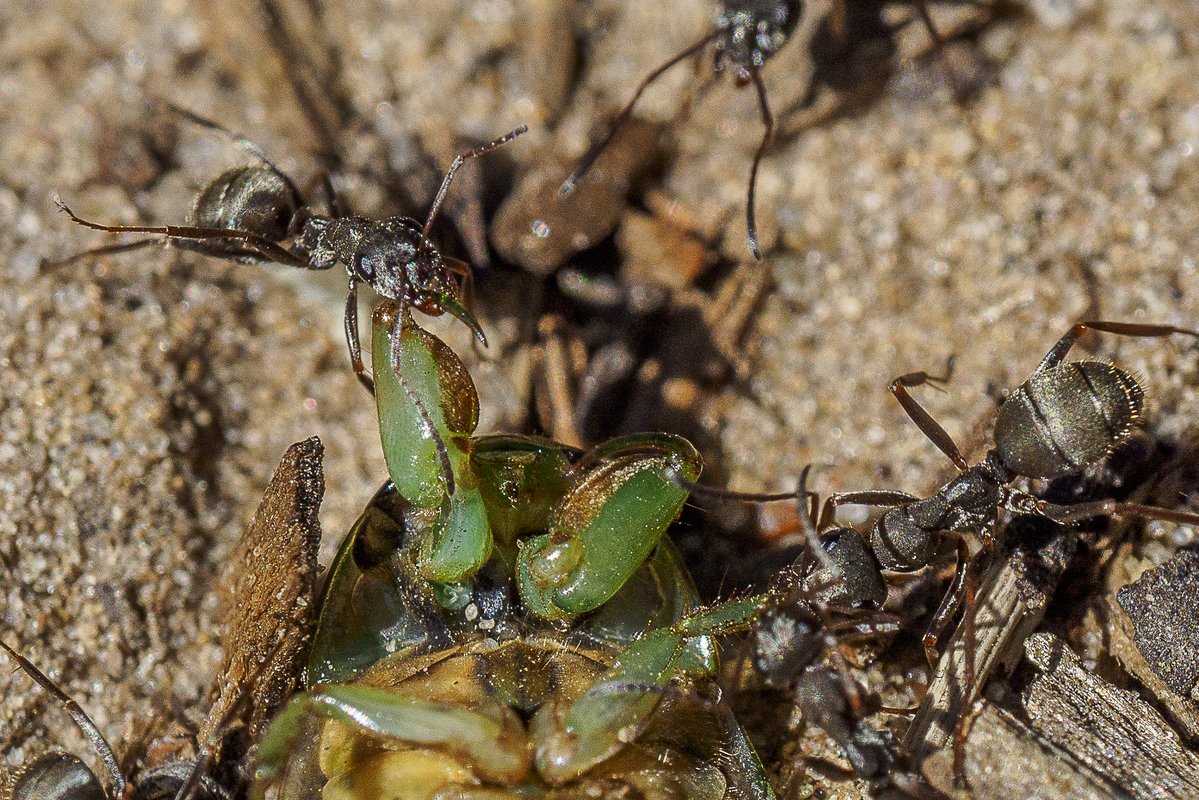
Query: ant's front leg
(351, 326)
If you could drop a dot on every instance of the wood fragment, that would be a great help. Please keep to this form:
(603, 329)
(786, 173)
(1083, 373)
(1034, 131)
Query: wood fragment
(1163, 606)
(1012, 598)
(1007, 759)
(269, 602)
(1113, 731)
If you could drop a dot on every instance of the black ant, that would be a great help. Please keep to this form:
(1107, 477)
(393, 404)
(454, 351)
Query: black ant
(1066, 417)
(247, 213)
(830, 594)
(747, 33)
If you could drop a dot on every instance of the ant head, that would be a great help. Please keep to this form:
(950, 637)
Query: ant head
(399, 262)
(256, 198)
(848, 577)
(786, 638)
(749, 32)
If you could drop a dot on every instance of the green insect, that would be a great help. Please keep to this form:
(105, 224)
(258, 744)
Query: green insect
(507, 620)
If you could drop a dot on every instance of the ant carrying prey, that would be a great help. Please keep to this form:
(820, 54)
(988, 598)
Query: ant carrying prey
(255, 213)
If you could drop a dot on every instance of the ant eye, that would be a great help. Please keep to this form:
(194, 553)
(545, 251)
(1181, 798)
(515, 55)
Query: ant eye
(364, 268)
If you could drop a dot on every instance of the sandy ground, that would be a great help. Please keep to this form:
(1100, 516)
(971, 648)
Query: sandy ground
(145, 398)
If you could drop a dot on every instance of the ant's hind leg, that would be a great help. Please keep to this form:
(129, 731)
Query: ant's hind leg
(927, 425)
(1058, 352)
(259, 245)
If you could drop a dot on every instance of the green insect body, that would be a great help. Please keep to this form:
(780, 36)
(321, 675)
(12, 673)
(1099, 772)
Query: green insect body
(507, 620)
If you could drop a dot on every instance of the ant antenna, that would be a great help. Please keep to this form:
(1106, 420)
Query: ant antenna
(585, 164)
(457, 162)
(808, 525)
(103, 748)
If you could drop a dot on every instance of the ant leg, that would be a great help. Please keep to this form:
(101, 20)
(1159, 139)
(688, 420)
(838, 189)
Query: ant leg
(950, 603)
(1058, 352)
(458, 162)
(927, 425)
(882, 498)
(101, 745)
(961, 730)
(103, 251)
(264, 248)
(589, 158)
(351, 326)
(755, 75)
(332, 202)
(1069, 515)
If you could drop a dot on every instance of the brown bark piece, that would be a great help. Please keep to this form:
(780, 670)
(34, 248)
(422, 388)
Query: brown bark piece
(269, 602)
(1112, 731)
(1164, 608)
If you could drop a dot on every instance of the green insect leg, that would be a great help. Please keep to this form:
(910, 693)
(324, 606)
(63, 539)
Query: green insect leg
(428, 409)
(621, 501)
(421, 743)
(571, 738)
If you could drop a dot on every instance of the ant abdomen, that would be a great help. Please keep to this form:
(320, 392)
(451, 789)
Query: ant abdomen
(1066, 418)
(57, 776)
(254, 198)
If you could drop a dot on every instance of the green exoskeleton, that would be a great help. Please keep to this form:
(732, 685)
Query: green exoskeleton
(507, 619)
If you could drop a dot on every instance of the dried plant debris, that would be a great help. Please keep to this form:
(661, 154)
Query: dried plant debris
(1008, 759)
(270, 600)
(1070, 734)
(1012, 598)
(1164, 608)
(539, 228)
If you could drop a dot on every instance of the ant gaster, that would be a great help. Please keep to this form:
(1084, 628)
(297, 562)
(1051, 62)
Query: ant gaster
(62, 776)
(249, 212)
(747, 33)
